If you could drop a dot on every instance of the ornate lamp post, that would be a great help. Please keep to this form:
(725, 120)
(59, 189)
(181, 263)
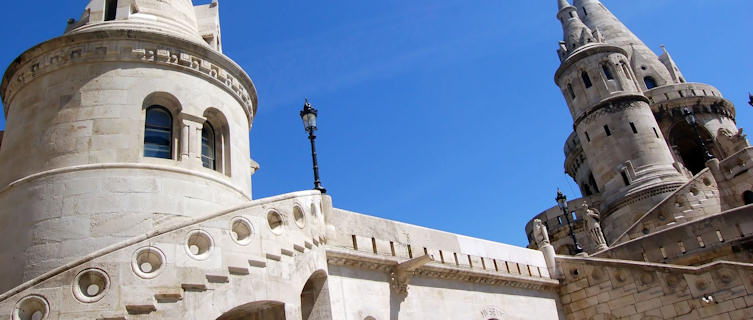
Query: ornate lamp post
(690, 118)
(308, 115)
(562, 203)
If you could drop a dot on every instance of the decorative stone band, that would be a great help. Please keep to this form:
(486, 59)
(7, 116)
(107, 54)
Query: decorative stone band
(610, 105)
(699, 105)
(360, 260)
(130, 46)
(641, 195)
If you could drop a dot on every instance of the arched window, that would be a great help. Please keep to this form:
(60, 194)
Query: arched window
(586, 79)
(650, 82)
(748, 197)
(208, 147)
(158, 133)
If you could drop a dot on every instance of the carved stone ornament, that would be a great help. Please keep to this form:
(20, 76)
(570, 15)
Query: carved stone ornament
(492, 312)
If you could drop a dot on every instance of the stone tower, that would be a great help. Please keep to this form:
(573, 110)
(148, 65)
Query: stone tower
(130, 120)
(629, 162)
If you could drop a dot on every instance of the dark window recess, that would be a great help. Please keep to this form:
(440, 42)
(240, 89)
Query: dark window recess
(592, 182)
(586, 79)
(606, 129)
(632, 126)
(607, 72)
(588, 139)
(656, 133)
(748, 197)
(572, 15)
(571, 91)
(585, 13)
(111, 9)
(625, 178)
(650, 82)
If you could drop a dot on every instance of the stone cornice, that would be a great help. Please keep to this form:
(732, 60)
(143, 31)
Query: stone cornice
(360, 260)
(130, 46)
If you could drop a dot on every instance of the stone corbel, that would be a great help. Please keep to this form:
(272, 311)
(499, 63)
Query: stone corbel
(403, 272)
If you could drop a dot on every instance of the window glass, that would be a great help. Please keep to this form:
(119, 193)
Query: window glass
(207, 146)
(158, 133)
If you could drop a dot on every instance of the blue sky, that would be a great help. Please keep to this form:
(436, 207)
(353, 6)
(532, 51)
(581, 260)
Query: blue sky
(438, 113)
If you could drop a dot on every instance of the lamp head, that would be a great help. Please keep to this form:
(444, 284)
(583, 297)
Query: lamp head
(308, 115)
(561, 200)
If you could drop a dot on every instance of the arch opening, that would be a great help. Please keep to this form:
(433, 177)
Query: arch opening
(259, 310)
(315, 303)
(686, 145)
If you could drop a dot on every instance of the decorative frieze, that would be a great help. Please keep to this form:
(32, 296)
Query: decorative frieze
(120, 46)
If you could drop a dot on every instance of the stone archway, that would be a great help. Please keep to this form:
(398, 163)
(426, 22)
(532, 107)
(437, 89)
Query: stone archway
(315, 303)
(260, 310)
(685, 143)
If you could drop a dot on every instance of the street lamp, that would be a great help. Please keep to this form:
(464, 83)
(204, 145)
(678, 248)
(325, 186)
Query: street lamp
(308, 115)
(562, 203)
(690, 118)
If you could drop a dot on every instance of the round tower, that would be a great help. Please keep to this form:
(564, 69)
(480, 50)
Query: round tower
(631, 164)
(130, 121)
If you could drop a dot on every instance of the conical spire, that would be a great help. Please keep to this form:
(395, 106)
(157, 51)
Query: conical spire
(576, 33)
(644, 61)
(563, 4)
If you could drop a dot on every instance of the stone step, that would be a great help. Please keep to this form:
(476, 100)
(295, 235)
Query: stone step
(194, 287)
(169, 296)
(218, 278)
(137, 309)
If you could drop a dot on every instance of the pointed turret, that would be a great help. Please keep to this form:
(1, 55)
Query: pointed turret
(643, 60)
(576, 33)
(668, 62)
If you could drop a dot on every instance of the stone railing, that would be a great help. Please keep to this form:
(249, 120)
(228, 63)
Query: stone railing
(685, 240)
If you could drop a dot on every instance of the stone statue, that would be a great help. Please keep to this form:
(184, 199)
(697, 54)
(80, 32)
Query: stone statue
(731, 142)
(540, 234)
(594, 227)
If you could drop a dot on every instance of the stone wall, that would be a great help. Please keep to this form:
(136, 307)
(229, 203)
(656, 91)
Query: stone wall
(616, 289)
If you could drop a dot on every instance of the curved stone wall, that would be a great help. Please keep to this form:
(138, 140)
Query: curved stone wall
(76, 109)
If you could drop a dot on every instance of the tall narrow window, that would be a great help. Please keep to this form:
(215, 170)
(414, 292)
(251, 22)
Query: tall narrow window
(571, 91)
(158, 133)
(656, 133)
(588, 139)
(632, 126)
(111, 9)
(607, 72)
(625, 177)
(607, 131)
(586, 79)
(207, 147)
(585, 12)
(650, 82)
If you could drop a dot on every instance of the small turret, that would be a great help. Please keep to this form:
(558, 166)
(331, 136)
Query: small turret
(674, 71)
(576, 34)
(643, 61)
